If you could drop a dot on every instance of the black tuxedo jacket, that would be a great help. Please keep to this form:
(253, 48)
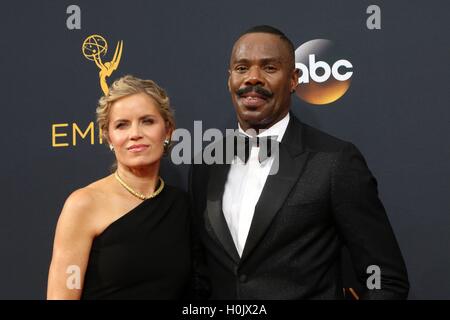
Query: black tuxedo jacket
(322, 198)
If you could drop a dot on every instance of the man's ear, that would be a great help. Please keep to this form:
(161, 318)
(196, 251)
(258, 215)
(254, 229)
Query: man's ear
(294, 79)
(228, 82)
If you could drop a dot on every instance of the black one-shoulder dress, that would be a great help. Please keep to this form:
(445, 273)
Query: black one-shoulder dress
(145, 254)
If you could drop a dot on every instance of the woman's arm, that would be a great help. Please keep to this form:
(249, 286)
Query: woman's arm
(73, 239)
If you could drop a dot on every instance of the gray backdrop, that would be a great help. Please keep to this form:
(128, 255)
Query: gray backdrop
(396, 109)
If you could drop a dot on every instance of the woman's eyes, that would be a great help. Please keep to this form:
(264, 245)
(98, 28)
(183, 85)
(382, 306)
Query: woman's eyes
(149, 121)
(125, 124)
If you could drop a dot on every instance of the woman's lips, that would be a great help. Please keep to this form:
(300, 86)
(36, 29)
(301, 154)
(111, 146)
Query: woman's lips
(137, 148)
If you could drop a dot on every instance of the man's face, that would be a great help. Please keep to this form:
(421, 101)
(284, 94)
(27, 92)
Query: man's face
(261, 79)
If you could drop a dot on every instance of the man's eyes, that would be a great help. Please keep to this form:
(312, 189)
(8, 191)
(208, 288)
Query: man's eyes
(268, 68)
(241, 68)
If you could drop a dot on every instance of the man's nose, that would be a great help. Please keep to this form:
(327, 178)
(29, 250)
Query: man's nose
(254, 77)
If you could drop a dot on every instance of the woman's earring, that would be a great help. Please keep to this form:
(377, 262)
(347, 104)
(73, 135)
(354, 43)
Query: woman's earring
(166, 143)
(111, 147)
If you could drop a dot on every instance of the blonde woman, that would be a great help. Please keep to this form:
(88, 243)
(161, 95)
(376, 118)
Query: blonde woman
(125, 236)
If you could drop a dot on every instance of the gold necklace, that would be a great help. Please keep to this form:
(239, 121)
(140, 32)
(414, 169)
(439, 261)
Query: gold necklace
(138, 194)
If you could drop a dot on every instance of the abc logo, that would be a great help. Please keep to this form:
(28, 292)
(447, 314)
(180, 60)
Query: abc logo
(324, 75)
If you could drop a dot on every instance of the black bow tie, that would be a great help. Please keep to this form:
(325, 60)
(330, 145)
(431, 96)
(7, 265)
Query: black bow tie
(243, 144)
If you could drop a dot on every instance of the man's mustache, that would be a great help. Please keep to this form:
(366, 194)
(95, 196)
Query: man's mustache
(258, 89)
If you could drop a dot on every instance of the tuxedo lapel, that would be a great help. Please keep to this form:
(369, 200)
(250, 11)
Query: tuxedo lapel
(292, 159)
(216, 185)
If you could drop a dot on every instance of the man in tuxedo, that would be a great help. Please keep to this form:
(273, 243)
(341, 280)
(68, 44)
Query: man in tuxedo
(279, 236)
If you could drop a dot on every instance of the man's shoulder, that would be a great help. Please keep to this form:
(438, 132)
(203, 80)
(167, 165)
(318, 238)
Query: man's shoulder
(317, 140)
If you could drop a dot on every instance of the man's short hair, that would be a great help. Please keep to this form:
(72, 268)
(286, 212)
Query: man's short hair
(275, 31)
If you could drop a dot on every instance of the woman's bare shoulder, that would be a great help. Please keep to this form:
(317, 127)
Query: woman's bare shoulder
(82, 205)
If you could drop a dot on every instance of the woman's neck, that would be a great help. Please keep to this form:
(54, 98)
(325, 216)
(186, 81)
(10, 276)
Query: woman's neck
(141, 179)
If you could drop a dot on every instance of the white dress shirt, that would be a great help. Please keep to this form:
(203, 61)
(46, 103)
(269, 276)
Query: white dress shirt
(244, 185)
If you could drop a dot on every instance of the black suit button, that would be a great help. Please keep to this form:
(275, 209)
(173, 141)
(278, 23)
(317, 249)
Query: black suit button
(243, 278)
(236, 269)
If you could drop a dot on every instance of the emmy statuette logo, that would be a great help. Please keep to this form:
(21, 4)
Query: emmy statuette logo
(94, 48)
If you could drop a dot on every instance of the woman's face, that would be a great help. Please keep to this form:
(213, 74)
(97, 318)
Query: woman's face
(137, 131)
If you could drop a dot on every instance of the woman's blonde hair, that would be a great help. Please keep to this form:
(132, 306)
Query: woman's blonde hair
(129, 85)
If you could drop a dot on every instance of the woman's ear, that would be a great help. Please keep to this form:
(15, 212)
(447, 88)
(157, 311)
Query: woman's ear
(105, 137)
(169, 131)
